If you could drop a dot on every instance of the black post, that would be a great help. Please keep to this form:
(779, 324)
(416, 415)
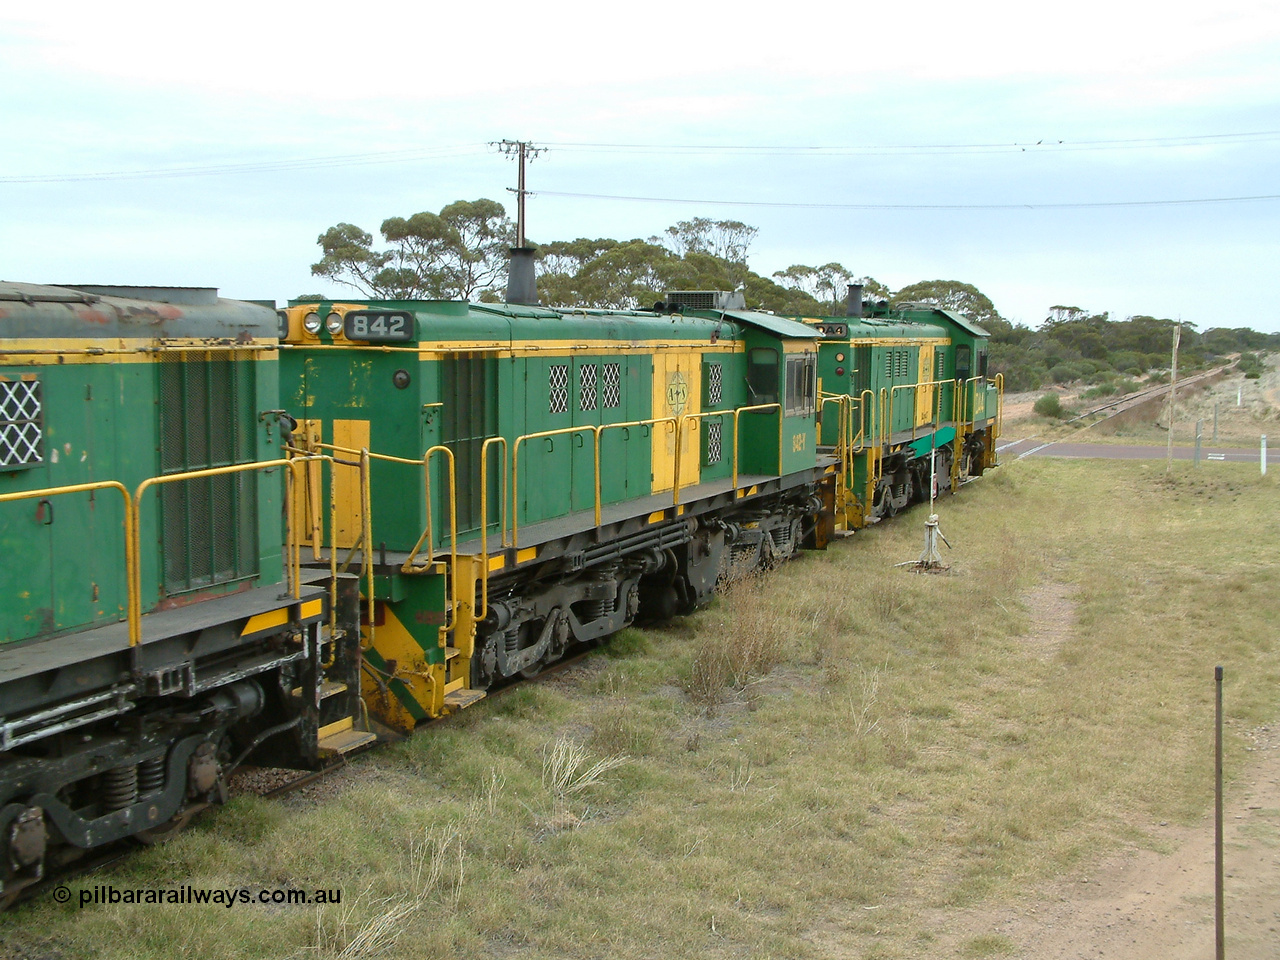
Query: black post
(1217, 828)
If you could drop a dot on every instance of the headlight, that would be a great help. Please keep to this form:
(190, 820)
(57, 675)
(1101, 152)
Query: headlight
(311, 323)
(333, 323)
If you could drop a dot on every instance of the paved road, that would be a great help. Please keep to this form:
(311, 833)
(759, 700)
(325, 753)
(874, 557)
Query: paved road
(1031, 447)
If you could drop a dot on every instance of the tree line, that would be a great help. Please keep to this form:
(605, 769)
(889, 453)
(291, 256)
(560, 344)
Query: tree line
(462, 252)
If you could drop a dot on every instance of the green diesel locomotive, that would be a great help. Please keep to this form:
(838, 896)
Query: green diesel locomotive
(542, 478)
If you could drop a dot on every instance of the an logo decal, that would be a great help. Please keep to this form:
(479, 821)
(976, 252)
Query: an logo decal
(677, 393)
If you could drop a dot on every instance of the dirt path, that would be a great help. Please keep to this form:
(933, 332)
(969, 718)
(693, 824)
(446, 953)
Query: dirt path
(1139, 904)
(1149, 906)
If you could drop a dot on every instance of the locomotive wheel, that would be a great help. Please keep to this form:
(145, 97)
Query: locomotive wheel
(167, 831)
(890, 502)
(532, 671)
(882, 499)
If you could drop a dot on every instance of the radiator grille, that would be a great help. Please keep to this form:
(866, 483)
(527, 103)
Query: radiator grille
(209, 524)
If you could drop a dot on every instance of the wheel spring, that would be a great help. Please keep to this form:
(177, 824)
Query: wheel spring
(511, 639)
(151, 776)
(598, 609)
(120, 787)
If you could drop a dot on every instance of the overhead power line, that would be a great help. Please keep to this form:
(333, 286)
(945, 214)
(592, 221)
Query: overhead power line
(457, 150)
(875, 149)
(908, 206)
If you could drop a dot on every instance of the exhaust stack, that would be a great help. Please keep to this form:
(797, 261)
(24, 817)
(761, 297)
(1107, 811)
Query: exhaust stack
(853, 304)
(522, 282)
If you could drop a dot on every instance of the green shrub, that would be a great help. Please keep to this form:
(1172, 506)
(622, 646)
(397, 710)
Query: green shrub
(1050, 406)
(1066, 372)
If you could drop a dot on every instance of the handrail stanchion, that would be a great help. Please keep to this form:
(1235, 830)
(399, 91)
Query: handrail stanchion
(515, 472)
(999, 381)
(135, 626)
(427, 537)
(755, 408)
(484, 518)
(366, 533)
(305, 461)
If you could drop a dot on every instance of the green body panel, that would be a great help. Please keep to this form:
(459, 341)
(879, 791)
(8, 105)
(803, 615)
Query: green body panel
(449, 402)
(419, 605)
(101, 420)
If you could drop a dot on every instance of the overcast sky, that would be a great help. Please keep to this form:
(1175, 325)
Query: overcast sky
(907, 141)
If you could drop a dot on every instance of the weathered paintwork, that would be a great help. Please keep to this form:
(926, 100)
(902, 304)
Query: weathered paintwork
(100, 365)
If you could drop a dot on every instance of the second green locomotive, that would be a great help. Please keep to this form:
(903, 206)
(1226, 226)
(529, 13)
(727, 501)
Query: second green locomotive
(544, 477)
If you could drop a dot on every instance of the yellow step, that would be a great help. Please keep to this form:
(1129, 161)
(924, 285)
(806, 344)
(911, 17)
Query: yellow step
(329, 688)
(461, 699)
(451, 652)
(344, 741)
(346, 723)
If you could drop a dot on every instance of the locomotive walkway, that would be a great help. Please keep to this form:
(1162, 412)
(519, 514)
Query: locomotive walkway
(1032, 447)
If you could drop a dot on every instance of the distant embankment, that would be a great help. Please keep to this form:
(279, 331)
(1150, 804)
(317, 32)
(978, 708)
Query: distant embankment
(1147, 406)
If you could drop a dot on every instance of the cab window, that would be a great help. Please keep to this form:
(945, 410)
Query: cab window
(762, 375)
(800, 386)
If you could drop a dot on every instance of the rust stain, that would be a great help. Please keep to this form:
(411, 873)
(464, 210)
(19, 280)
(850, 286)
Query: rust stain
(92, 316)
(183, 600)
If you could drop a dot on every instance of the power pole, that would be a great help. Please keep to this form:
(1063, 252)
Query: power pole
(1173, 391)
(523, 150)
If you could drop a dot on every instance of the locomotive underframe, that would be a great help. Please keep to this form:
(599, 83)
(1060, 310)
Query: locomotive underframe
(133, 740)
(589, 584)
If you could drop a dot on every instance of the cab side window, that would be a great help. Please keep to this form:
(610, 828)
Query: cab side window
(800, 386)
(762, 375)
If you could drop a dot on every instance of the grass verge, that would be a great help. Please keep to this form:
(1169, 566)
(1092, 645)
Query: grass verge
(827, 762)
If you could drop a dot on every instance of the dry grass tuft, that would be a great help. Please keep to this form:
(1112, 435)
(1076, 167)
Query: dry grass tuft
(751, 639)
(566, 776)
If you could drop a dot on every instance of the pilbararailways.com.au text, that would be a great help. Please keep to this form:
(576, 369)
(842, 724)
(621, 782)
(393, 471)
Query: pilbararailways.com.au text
(108, 894)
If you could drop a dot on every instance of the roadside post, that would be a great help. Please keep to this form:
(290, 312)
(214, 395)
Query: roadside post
(1199, 431)
(1264, 454)
(1220, 939)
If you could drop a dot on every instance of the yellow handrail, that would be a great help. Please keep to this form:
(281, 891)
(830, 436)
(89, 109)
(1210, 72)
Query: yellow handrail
(694, 417)
(669, 421)
(130, 545)
(515, 471)
(428, 535)
(755, 408)
(135, 599)
(915, 398)
(294, 544)
(484, 518)
(862, 418)
(999, 382)
(366, 535)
